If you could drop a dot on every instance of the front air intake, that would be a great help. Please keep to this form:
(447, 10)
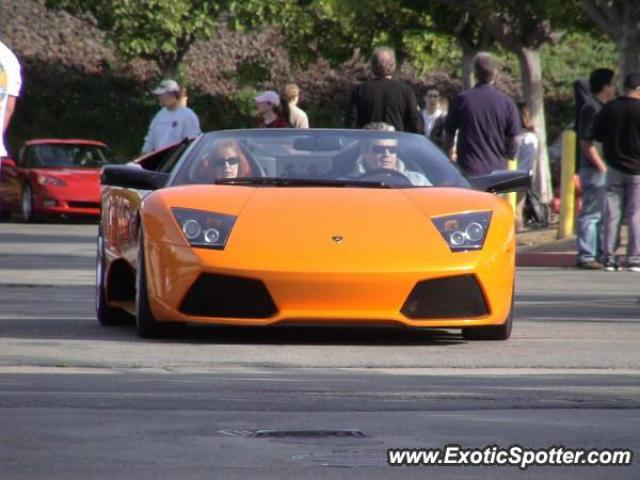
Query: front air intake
(226, 296)
(449, 297)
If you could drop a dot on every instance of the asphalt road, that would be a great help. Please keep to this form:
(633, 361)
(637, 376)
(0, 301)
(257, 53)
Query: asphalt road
(78, 400)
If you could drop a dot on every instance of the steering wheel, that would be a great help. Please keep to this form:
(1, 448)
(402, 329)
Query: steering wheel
(386, 176)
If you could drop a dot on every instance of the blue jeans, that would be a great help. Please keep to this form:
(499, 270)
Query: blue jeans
(590, 218)
(622, 198)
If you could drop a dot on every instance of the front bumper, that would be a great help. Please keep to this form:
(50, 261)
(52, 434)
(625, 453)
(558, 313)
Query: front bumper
(306, 297)
(45, 203)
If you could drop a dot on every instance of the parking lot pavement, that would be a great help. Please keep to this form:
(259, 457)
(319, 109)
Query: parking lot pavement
(47, 254)
(78, 400)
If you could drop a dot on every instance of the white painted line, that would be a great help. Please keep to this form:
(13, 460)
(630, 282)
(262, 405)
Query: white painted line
(54, 277)
(280, 372)
(87, 249)
(7, 316)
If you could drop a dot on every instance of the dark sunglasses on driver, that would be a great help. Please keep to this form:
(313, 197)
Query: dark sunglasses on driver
(382, 149)
(220, 162)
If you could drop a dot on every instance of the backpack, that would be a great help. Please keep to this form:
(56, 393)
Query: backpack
(535, 212)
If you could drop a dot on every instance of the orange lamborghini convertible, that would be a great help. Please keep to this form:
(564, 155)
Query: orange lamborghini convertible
(283, 226)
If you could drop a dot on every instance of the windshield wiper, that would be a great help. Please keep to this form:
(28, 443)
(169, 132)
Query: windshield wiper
(300, 182)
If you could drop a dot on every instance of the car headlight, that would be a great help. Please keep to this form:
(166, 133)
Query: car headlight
(47, 180)
(464, 231)
(204, 229)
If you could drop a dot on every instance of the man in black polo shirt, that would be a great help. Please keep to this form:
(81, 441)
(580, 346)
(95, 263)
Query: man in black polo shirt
(384, 99)
(617, 127)
(487, 123)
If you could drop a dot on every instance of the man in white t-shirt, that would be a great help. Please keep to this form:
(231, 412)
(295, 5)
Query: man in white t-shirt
(173, 122)
(10, 83)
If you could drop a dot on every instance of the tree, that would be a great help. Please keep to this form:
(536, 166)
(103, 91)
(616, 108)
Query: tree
(522, 29)
(158, 30)
(620, 21)
(470, 35)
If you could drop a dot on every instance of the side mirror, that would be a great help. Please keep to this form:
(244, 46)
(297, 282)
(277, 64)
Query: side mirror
(132, 176)
(8, 162)
(501, 181)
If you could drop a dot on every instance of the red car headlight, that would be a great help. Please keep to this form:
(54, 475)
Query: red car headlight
(47, 180)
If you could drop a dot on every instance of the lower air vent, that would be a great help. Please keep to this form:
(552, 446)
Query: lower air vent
(450, 297)
(226, 296)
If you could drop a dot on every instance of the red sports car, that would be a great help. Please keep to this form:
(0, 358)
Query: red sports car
(53, 177)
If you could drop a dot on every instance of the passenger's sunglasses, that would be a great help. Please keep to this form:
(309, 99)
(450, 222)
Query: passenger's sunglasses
(433, 95)
(382, 149)
(220, 162)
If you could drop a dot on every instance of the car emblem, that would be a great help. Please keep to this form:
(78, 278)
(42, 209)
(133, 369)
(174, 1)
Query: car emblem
(337, 238)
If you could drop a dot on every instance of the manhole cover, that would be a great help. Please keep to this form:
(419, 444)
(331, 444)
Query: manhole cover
(283, 434)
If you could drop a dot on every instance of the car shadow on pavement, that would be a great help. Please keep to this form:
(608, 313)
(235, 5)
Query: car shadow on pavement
(320, 335)
(89, 329)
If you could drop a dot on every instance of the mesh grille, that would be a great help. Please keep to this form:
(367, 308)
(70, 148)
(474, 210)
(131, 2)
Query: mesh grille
(451, 297)
(83, 205)
(226, 296)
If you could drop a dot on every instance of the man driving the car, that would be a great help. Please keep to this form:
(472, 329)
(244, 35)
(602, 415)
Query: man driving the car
(380, 155)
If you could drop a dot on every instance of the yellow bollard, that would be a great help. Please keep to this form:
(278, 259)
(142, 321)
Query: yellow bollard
(567, 186)
(512, 197)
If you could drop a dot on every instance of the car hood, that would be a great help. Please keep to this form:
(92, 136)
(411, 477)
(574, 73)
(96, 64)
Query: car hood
(321, 229)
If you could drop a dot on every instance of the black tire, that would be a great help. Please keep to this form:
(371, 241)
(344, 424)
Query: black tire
(105, 314)
(26, 204)
(146, 324)
(497, 332)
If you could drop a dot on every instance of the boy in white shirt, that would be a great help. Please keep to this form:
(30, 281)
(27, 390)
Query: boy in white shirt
(173, 122)
(432, 110)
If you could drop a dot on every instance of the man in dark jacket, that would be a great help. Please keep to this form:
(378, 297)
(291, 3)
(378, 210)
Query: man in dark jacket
(487, 123)
(384, 99)
(592, 171)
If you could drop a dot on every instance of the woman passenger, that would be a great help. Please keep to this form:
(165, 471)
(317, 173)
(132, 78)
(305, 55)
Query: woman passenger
(228, 161)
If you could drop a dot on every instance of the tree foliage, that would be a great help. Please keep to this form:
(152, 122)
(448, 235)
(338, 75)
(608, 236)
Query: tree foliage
(620, 21)
(157, 30)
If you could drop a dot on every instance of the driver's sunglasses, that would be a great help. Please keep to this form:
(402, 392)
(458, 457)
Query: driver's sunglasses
(220, 162)
(382, 149)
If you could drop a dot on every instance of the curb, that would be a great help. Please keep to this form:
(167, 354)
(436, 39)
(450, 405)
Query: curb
(546, 259)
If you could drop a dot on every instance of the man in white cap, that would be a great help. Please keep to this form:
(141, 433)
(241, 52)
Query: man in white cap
(268, 108)
(10, 83)
(173, 122)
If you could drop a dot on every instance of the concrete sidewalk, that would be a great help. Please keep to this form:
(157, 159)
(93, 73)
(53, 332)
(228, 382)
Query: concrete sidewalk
(541, 248)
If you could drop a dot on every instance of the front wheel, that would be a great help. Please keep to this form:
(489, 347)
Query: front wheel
(104, 313)
(146, 324)
(26, 204)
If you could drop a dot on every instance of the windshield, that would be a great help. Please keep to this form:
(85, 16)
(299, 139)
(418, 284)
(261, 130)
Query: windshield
(348, 158)
(68, 156)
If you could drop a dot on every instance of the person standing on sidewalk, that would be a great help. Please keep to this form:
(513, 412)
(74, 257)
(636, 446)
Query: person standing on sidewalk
(269, 113)
(487, 122)
(10, 83)
(617, 126)
(173, 123)
(297, 117)
(592, 170)
(384, 99)
(432, 110)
